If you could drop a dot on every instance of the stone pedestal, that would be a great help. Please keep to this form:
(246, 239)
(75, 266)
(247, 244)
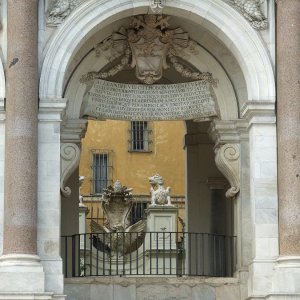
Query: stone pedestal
(161, 224)
(83, 211)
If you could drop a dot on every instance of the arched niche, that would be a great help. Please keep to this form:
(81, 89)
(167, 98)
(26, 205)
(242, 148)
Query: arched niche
(197, 57)
(217, 17)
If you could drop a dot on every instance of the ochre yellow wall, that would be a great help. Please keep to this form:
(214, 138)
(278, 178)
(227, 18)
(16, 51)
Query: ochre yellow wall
(133, 169)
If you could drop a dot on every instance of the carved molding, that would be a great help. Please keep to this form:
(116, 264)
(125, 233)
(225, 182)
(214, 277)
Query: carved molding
(251, 10)
(70, 157)
(157, 5)
(228, 162)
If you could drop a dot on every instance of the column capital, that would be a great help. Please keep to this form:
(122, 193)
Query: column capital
(52, 109)
(73, 130)
(259, 112)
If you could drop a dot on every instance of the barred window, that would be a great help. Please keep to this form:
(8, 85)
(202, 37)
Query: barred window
(102, 170)
(140, 136)
(138, 211)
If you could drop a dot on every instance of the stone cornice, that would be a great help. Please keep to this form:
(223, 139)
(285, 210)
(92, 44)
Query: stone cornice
(223, 132)
(259, 112)
(52, 109)
(73, 131)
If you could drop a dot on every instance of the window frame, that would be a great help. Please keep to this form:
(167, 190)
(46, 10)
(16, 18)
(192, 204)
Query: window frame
(140, 137)
(108, 171)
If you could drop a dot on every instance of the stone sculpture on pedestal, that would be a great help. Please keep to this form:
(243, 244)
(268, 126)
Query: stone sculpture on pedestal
(159, 194)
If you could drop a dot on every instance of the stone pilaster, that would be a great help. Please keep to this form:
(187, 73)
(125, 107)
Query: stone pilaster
(288, 124)
(21, 129)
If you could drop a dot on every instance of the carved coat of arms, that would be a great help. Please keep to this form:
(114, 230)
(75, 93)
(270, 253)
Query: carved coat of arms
(118, 236)
(149, 46)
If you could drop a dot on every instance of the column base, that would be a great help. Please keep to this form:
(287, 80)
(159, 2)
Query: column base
(21, 273)
(286, 279)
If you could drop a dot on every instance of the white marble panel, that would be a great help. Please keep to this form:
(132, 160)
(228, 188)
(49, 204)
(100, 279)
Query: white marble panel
(227, 292)
(203, 292)
(125, 292)
(106, 291)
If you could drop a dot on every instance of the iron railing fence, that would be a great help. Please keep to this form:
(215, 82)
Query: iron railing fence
(150, 253)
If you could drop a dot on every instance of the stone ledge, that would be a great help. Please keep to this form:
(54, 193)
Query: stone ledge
(149, 280)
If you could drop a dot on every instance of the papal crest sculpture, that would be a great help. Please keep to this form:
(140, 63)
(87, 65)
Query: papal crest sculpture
(149, 46)
(118, 237)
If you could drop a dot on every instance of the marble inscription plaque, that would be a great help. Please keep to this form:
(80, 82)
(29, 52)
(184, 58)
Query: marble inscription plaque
(118, 101)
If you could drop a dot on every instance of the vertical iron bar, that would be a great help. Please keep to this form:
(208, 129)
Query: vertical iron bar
(97, 254)
(73, 256)
(156, 253)
(84, 255)
(103, 261)
(197, 254)
(150, 253)
(170, 263)
(164, 253)
(123, 273)
(144, 256)
(190, 254)
(91, 253)
(137, 253)
(110, 255)
(66, 256)
(117, 270)
(130, 256)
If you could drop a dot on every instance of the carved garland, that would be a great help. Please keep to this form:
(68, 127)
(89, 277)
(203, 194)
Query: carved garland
(70, 157)
(228, 162)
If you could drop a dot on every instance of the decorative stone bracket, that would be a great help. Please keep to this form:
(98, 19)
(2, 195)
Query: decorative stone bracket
(70, 157)
(228, 162)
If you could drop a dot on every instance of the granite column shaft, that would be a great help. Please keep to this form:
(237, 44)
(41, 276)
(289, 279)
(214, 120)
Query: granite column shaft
(288, 124)
(20, 183)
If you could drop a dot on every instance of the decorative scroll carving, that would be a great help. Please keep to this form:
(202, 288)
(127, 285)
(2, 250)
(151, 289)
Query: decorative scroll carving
(251, 10)
(60, 10)
(147, 44)
(228, 162)
(160, 196)
(70, 156)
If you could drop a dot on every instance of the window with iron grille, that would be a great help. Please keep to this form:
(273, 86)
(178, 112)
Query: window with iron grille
(102, 170)
(138, 212)
(140, 136)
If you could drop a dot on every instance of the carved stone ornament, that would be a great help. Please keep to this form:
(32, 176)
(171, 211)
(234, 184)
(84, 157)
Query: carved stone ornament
(160, 196)
(117, 237)
(251, 10)
(157, 5)
(70, 157)
(148, 45)
(228, 162)
(60, 10)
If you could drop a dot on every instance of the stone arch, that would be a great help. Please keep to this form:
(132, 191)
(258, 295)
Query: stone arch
(221, 19)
